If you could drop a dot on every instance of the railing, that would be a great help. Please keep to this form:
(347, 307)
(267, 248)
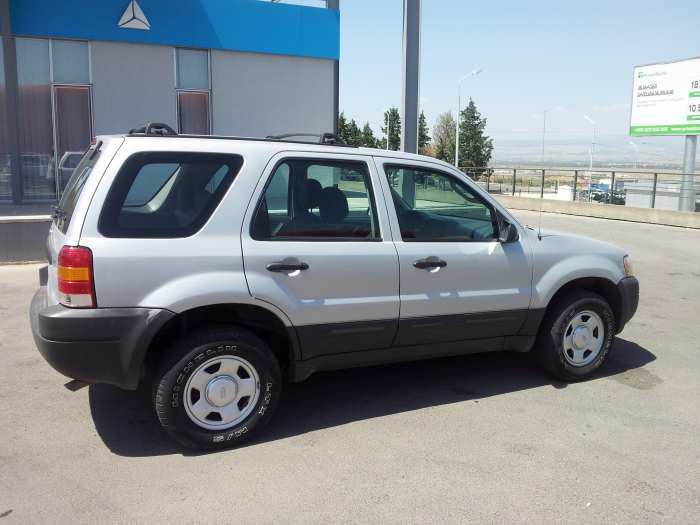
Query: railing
(641, 189)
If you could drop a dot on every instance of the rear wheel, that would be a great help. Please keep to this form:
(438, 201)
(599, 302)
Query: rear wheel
(217, 388)
(576, 335)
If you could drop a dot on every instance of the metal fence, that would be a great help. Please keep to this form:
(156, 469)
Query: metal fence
(640, 189)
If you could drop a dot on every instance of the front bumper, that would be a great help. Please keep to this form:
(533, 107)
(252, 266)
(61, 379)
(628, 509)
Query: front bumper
(629, 295)
(95, 345)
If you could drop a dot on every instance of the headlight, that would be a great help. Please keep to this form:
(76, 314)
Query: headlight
(627, 264)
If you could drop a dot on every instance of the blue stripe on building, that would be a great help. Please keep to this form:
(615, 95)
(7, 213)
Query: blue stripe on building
(237, 25)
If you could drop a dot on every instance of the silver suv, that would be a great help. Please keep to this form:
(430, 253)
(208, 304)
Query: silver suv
(213, 267)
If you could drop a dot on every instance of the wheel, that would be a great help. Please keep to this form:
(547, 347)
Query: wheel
(217, 388)
(576, 335)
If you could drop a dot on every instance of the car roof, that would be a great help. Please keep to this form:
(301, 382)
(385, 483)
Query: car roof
(275, 145)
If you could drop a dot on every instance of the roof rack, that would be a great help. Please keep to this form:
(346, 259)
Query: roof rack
(329, 139)
(158, 129)
(154, 128)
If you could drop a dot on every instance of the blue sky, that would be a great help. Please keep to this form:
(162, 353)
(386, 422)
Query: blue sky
(571, 58)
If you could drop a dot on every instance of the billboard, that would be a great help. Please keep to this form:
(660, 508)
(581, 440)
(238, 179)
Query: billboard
(666, 99)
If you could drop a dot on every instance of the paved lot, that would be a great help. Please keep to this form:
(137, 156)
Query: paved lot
(484, 438)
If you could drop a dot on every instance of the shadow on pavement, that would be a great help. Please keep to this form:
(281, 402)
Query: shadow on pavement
(127, 424)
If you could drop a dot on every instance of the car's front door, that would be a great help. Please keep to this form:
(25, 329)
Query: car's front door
(317, 244)
(458, 281)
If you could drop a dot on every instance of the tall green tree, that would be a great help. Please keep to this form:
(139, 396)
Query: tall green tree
(368, 138)
(423, 136)
(342, 128)
(392, 128)
(444, 132)
(475, 147)
(354, 134)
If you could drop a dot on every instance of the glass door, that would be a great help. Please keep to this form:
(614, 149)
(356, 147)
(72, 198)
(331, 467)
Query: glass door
(73, 130)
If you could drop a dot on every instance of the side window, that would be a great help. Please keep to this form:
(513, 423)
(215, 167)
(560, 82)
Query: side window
(317, 200)
(436, 207)
(166, 194)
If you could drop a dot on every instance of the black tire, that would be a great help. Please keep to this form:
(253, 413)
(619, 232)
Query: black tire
(549, 348)
(182, 362)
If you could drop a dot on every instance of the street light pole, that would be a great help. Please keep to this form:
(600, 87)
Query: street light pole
(459, 110)
(590, 155)
(544, 131)
(636, 153)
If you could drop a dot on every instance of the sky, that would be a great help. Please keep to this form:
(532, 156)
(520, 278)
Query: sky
(568, 58)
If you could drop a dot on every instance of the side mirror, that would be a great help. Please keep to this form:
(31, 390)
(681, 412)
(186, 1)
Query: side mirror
(507, 232)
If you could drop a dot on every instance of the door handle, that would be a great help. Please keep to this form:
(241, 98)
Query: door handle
(429, 262)
(283, 267)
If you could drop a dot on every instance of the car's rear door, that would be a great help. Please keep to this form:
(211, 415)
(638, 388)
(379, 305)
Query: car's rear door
(317, 244)
(458, 281)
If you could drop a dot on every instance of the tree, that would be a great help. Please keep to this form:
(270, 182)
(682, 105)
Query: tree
(475, 148)
(423, 137)
(392, 128)
(368, 138)
(342, 128)
(444, 137)
(354, 135)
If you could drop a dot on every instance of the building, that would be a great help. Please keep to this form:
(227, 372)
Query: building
(73, 69)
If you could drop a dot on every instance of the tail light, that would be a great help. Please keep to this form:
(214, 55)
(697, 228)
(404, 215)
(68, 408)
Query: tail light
(76, 286)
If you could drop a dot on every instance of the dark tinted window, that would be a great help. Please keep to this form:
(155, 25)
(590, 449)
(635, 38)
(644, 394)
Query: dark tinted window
(74, 187)
(436, 207)
(166, 194)
(317, 200)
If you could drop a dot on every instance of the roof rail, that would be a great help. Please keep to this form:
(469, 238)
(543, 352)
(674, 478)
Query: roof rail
(154, 128)
(329, 139)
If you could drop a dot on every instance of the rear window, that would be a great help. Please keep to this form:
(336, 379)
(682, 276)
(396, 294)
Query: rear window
(66, 206)
(166, 194)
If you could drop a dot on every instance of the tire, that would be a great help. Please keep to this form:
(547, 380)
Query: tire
(247, 382)
(577, 357)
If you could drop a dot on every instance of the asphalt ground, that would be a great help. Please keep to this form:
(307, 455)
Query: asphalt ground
(481, 438)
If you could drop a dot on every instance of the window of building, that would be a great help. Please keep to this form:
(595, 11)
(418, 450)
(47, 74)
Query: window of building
(166, 194)
(436, 207)
(36, 143)
(317, 200)
(54, 112)
(5, 159)
(71, 62)
(193, 91)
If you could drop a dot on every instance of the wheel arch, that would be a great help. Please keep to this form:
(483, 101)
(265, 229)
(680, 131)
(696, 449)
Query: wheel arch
(263, 322)
(607, 289)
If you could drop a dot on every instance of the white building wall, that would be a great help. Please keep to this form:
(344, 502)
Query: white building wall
(132, 84)
(257, 95)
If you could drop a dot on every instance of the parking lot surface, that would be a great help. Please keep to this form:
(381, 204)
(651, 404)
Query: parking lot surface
(486, 438)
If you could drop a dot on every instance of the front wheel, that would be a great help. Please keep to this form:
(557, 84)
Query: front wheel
(217, 388)
(576, 335)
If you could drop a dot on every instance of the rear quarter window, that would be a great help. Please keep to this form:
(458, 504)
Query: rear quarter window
(66, 206)
(166, 194)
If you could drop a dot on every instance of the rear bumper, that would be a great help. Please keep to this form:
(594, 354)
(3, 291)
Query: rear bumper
(629, 293)
(100, 345)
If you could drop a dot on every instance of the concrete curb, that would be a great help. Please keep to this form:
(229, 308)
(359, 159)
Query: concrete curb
(604, 211)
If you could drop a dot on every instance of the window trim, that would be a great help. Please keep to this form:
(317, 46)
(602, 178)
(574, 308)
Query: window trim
(114, 200)
(322, 160)
(494, 212)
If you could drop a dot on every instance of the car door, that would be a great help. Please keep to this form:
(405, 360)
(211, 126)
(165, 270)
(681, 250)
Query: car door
(317, 244)
(458, 281)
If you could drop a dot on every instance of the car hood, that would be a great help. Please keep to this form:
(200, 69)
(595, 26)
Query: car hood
(569, 243)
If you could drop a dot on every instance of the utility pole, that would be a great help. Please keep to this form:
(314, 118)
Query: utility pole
(410, 85)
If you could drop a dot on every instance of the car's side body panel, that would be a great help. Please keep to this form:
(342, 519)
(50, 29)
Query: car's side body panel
(347, 299)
